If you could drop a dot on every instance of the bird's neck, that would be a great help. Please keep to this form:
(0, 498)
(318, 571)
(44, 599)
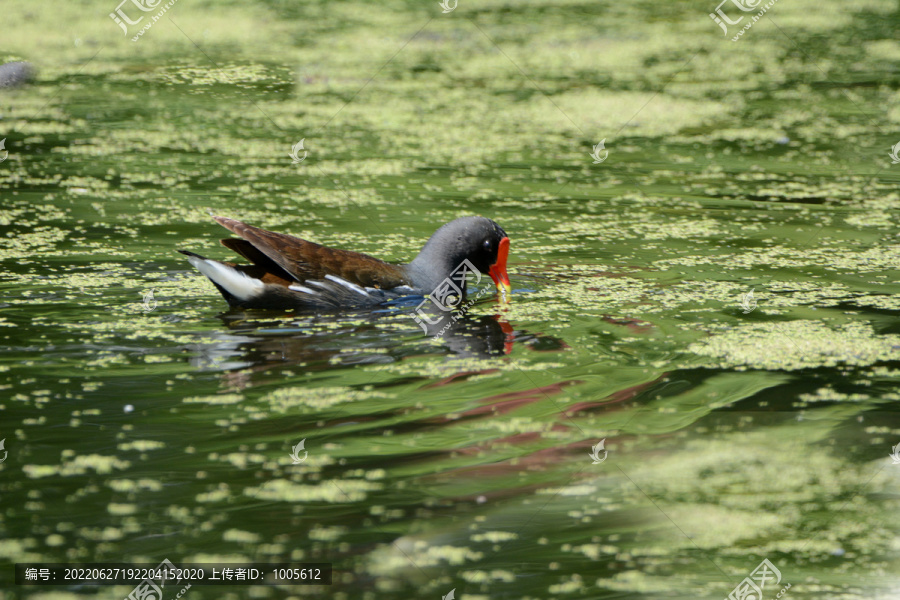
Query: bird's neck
(429, 270)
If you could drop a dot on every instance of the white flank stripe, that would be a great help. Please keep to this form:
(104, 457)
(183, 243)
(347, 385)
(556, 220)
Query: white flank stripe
(299, 288)
(348, 285)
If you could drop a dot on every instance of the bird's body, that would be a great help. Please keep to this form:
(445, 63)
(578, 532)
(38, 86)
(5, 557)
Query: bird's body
(290, 272)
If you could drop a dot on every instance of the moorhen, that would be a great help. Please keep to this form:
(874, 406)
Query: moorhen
(289, 272)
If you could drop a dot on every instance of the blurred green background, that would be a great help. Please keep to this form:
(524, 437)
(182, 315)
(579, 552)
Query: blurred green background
(736, 430)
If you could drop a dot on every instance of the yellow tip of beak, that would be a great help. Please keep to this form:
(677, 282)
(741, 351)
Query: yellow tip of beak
(505, 291)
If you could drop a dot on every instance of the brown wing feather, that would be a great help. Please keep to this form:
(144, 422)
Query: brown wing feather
(263, 267)
(306, 260)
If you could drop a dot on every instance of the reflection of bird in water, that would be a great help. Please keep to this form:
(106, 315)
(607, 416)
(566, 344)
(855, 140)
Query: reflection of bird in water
(257, 343)
(324, 342)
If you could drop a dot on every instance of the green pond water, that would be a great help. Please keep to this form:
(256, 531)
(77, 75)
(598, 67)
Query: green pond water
(731, 435)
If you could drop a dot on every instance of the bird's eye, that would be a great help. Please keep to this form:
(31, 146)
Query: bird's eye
(487, 245)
